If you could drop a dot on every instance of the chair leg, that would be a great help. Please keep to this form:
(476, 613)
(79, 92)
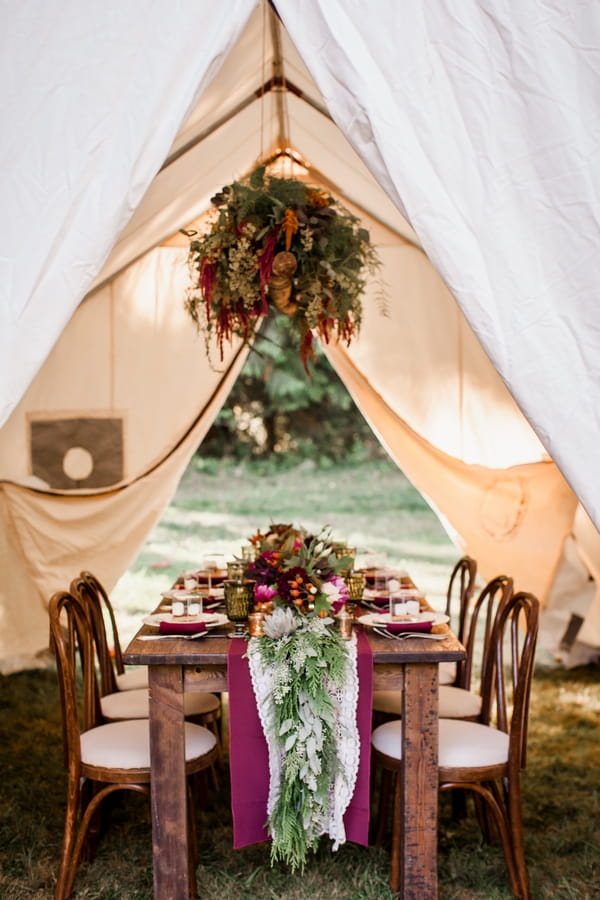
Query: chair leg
(500, 815)
(64, 880)
(515, 818)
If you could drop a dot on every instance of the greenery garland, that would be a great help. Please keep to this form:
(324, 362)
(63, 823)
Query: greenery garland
(307, 662)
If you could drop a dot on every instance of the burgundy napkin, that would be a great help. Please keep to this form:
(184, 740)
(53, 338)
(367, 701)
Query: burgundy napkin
(181, 627)
(380, 599)
(249, 758)
(401, 627)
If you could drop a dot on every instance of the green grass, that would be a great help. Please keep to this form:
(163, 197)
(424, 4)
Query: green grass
(372, 507)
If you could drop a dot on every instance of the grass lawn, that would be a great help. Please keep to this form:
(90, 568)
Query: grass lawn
(218, 506)
(213, 512)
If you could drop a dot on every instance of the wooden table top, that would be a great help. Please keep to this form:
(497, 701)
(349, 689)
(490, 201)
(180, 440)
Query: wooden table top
(212, 650)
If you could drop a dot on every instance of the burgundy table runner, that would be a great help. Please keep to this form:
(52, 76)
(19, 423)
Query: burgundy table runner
(249, 758)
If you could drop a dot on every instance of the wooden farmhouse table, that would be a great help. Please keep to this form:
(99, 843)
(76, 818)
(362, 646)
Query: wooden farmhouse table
(175, 665)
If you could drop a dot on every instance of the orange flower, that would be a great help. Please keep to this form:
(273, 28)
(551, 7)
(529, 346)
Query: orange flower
(316, 198)
(289, 226)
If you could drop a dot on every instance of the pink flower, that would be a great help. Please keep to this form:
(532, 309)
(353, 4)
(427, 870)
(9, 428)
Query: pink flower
(336, 592)
(264, 593)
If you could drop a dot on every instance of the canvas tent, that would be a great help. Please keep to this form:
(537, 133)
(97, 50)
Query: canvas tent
(470, 151)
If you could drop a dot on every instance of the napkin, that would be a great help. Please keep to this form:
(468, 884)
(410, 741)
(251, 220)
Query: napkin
(401, 627)
(181, 627)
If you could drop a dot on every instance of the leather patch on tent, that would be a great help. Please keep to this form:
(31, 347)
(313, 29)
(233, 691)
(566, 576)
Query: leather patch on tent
(76, 453)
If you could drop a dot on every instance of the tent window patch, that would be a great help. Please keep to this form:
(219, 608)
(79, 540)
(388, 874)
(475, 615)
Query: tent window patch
(74, 453)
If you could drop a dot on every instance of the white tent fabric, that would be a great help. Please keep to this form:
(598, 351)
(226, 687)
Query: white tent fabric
(454, 121)
(482, 121)
(92, 96)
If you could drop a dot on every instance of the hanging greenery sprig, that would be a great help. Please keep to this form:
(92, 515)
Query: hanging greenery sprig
(279, 241)
(306, 662)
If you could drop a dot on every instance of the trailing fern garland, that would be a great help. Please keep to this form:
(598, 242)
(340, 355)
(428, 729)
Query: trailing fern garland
(305, 661)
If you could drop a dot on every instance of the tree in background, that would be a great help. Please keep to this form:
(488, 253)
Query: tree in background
(275, 411)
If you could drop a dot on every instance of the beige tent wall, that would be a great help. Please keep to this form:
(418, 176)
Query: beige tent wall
(128, 351)
(420, 378)
(511, 520)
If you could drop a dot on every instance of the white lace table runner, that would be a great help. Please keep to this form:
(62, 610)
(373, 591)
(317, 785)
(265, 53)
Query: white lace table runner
(346, 734)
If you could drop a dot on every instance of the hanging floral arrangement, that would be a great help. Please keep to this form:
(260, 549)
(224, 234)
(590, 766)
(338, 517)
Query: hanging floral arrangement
(277, 241)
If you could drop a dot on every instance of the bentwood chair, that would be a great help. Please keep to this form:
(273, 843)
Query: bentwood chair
(101, 758)
(486, 757)
(459, 701)
(124, 694)
(461, 586)
(114, 675)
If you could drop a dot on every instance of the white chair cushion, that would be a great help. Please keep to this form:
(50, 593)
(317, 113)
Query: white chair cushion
(456, 703)
(387, 738)
(462, 744)
(135, 704)
(469, 744)
(126, 745)
(388, 702)
(446, 673)
(132, 679)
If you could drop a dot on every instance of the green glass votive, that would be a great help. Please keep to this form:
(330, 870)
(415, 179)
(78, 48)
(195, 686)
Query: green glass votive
(239, 600)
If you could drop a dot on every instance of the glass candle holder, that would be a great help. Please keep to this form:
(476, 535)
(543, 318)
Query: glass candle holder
(248, 553)
(239, 600)
(235, 570)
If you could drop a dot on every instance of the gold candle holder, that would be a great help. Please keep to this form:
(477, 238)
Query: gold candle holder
(355, 582)
(344, 621)
(255, 624)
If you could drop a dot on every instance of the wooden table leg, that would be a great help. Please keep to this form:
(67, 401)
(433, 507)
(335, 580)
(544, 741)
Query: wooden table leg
(419, 783)
(172, 880)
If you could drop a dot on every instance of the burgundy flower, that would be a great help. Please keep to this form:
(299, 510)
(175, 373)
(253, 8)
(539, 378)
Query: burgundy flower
(295, 586)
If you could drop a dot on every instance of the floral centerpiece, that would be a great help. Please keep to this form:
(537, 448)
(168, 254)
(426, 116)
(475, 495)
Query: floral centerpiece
(279, 241)
(297, 569)
(304, 678)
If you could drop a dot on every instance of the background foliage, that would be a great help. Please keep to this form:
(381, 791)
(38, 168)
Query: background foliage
(275, 411)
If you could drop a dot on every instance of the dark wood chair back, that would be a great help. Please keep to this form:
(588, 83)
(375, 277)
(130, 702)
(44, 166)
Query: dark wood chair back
(72, 642)
(100, 613)
(480, 624)
(508, 671)
(461, 586)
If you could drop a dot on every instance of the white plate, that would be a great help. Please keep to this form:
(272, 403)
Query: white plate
(209, 619)
(385, 618)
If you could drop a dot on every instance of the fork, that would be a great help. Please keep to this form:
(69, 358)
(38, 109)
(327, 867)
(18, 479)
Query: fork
(184, 637)
(406, 635)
